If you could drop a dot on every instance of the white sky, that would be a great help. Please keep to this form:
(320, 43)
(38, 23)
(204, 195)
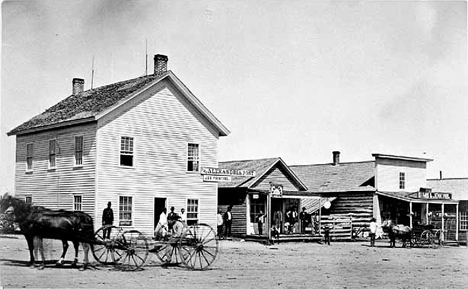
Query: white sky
(290, 79)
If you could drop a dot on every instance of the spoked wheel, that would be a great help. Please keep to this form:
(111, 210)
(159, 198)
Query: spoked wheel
(427, 237)
(104, 249)
(133, 247)
(167, 243)
(199, 247)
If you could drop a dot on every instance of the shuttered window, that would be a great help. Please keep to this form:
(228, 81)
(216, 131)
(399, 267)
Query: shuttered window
(126, 151)
(192, 211)
(29, 156)
(78, 151)
(125, 211)
(193, 158)
(52, 154)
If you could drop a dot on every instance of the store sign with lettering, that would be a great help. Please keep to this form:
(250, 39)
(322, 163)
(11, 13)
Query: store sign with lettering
(276, 190)
(431, 195)
(227, 172)
(210, 178)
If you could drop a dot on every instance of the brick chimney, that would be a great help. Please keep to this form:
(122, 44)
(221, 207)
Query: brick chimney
(78, 85)
(336, 158)
(160, 64)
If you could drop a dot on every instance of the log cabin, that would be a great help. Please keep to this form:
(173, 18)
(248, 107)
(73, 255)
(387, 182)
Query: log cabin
(138, 144)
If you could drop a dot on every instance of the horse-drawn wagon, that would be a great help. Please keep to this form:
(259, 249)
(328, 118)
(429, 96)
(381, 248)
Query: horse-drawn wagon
(425, 235)
(195, 246)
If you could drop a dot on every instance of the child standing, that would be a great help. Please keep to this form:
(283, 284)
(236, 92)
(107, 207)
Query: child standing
(373, 230)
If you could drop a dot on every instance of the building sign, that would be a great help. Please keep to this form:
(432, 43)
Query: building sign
(276, 190)
(227, 172)
(425, 193)
(431, 195)
(210, 178)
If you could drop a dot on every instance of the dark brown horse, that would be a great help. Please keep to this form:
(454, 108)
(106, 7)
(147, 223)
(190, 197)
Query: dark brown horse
(39, 222)
(396, 231)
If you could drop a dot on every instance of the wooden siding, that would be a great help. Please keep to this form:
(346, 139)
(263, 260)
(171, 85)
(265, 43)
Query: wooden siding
(162, 124)
(277, 176)
(388, 177)
(357, 206)
(54, 188)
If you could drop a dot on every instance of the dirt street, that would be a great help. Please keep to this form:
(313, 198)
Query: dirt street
(253, 265)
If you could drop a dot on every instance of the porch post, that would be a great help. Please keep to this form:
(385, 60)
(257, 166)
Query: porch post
(268, 212)
(411, 214)
(427, 213)
(456, 222)
(320, 216)
(443, 221)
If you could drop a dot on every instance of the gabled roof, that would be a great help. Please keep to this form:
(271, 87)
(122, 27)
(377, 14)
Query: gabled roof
(457, 186)
(344, 177)
(90, 105)
(261, 167)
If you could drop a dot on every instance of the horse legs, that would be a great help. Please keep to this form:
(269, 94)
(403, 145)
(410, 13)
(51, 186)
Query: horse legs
(30, 240)
(64, 252)
(41, 250)
(85, 258)
(76, 245)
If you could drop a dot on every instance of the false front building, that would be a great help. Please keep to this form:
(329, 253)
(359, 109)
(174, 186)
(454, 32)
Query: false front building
(139, 144)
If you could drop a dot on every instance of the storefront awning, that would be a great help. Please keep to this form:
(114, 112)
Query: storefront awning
(414, 198)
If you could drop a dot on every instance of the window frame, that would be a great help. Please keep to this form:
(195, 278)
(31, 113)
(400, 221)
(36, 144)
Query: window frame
(255, 206)
(402, 180)
(122, 212)
(54, 141)
(188, 157)
(74, 202)
(26, 199)
(463, 221)
(29, 167)
(191, 221)
(132, 152)
(75, 151)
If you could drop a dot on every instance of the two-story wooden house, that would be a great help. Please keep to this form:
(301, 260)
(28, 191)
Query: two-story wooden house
(138, 143)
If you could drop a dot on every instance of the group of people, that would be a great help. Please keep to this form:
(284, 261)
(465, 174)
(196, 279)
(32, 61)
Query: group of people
(224, 223)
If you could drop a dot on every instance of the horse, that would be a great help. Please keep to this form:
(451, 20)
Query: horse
(396, 231)
(39, 222)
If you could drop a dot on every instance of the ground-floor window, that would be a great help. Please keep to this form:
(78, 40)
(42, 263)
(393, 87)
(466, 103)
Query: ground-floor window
(77, 203)
(125, 210)
(28, 200)
(463, 221)
(257, 204)
(192, 211)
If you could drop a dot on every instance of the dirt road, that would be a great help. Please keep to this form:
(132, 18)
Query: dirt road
(252, 265)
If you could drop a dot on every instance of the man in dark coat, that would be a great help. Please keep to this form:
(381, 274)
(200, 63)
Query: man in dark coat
(227, 222)
(107, 219)
(305, 218)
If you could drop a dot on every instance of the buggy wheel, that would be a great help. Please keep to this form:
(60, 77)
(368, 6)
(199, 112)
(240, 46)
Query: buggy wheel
(426, 237)
(167, 243)
(199, 247)
(133, 247)
(104, 249)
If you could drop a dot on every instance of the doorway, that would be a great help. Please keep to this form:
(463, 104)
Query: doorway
(159, 205)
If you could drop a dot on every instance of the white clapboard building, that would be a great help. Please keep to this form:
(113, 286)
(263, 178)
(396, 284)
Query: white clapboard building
(139, 143)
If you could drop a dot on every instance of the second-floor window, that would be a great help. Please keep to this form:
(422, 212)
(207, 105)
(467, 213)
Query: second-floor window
(29, 156)
(78, 151)
(193, 158)
(126, 151)
(52, 154)
(402, 181)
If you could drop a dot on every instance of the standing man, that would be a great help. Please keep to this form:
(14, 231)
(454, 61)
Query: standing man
(183, 216)
(228, 222)
(219, 222)
(373, 230)
(260, 221)
(107, 220)
(304, 216)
